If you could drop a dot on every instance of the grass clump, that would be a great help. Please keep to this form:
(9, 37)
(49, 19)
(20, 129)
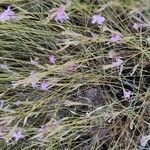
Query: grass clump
(67, 85)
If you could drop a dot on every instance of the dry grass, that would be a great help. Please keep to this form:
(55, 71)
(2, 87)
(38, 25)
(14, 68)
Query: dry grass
(84, 110)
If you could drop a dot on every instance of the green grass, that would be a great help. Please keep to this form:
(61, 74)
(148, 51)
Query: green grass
(74, 117)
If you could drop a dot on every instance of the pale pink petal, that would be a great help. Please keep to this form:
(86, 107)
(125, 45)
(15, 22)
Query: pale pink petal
(118, 62)
(136, 26)
(94, 20)
(111, 54)
(98, 19)
(1, 135)
(33, 81)
(52, 59)
(17, 135)
(34, 61)
(126, 94)
(61, 15)
(8, 15)
(144, 140)
(116, 38)
(17, 103)
(1, 104)
(72, 67)
(45, 86)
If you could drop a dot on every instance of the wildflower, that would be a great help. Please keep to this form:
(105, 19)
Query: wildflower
(144, 140)
(42, 132)
(33, 81)
(126, 94)
(50, 126)
(52, 59)
(116, 38)
(34, 62)
(98, 19)
(45, 86)
(111, 54)
(72, 67)
(8, 15)
(17, 103)
(118, 62)
(137, 26)
(41, 129)
(1, 104)
(60, 15)
(1, 135)
(17, 135)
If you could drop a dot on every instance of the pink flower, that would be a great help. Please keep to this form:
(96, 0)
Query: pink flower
(60, 15)
(8, 15)
(144, 141)
(98, 19)
(126, 94)
(137, 26)
(42, 132)
(33, 81)
(111, 54)
(17, 103)
(45, 86)
(17, 135)
(118, 62)
(116, 38)
(34, 62)
(52, 59)
(72, 67)
(42, 129)
(1, 135)
(1, 104)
